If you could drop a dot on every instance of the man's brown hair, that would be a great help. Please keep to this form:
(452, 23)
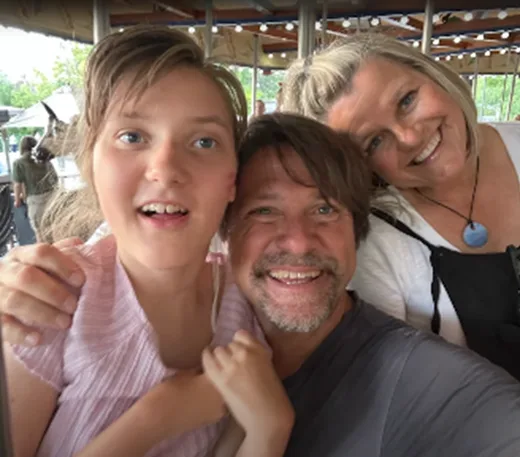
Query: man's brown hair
(333, 160)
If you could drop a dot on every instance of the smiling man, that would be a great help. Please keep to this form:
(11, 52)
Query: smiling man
(361, 382)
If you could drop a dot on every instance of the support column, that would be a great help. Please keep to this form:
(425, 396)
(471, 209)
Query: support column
(427, 28)
(513, 84)
(208, 32)
(306, 28)
(101, 20)
(254, 80)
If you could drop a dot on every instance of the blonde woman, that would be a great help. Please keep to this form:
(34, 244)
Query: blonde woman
(447, 203)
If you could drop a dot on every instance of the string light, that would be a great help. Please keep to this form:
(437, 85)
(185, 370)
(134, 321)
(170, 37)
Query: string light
(457, 39)
(468, 17)
(191, 30)
(473, 55)
(404, 20)
(214, 29)
(270, 56)
(416, 44)
(289, 26)
(374, 22)
(460, 56)
(346, 23)
(487, 53)
(436, 42)
(284, 55)
(238, 28)
(503, 51)
(263, 28)
(448, 58)
(480, 36)
(505, 35)
(502, 14)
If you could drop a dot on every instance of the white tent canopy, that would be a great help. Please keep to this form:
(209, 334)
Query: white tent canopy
(62, 103)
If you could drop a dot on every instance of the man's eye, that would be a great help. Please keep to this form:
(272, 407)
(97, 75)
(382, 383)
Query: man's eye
(205, 143)
(261, 211)
(131, 137)
(326, 209)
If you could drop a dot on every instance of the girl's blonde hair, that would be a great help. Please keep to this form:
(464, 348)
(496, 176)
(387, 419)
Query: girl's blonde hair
(312, 85)
(140, 55)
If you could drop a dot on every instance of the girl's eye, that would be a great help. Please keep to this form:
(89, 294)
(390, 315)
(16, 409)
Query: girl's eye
(407, 100)
(131, 137)
(205, 143)
(374, 144)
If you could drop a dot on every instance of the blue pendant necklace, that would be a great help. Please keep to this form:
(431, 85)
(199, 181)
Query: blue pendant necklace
(475, 235)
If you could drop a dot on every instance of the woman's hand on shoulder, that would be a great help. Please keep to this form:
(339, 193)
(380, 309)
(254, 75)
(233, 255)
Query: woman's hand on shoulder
(35, 290)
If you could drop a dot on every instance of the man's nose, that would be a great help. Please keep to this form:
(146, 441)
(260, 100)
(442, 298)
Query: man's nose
(297, 235)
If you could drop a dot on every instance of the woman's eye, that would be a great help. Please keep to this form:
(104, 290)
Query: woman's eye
(205, 143)
(131, 137)
(374, 144)
(407, 100)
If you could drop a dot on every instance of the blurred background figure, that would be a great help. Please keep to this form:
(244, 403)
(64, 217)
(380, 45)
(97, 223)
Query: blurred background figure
(33, 183)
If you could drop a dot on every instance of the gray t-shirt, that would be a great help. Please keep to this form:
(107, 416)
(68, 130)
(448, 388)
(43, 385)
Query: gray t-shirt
(379, 388)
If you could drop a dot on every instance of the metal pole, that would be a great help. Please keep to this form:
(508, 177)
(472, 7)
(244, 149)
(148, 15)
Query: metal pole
(512, 94)
(427, 28)
(324, 25)
(101, 20)
(475, 80)
(508, 61)
(208, 32)
(306, 21)
(255, 72)
(5, 138)
(484, 97)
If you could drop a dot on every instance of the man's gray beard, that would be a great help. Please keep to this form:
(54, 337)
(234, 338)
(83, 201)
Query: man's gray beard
(329, 300)
(282, 322)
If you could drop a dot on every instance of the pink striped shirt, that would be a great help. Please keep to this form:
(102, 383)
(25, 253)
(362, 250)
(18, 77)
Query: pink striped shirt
(108, 358)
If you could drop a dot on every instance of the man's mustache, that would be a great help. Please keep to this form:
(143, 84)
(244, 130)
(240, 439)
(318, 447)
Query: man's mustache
(310, 259)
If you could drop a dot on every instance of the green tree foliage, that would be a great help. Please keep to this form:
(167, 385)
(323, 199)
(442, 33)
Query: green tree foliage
(67, 70)
(6, 90)
(493, 101)
(267, 84)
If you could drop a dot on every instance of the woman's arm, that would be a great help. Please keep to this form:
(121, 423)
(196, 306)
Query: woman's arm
(32, 403)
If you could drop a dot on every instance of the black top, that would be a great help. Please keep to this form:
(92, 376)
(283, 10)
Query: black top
(485, 292)
(376, 387)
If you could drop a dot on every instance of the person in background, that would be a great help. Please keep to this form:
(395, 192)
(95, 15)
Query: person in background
(441, 252)
(259, 108)
(33, 183)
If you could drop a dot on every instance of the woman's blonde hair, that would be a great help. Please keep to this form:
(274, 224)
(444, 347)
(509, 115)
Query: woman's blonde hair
(312, 85)
(140, 55)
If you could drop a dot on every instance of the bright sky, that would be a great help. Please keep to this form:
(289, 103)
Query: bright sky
(22, 51)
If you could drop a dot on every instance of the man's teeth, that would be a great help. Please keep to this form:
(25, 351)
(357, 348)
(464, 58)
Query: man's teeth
(291, 275)
(161, 208)
(428, 150)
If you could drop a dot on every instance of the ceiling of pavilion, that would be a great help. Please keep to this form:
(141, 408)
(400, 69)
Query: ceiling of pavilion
(462, 30)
